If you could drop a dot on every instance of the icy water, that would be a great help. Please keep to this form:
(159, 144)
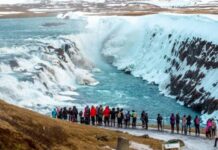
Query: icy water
(16, 31)
(116, 88)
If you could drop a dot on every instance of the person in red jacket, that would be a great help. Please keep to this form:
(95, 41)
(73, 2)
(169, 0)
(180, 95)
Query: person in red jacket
(106, 114)
(93, 114)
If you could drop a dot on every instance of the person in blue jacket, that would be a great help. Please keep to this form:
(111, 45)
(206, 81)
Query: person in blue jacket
(54, 113)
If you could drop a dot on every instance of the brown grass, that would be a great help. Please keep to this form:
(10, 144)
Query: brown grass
(22, 129)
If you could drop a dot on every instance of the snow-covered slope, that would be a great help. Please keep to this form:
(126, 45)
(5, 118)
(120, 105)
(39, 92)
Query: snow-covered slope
(179, 53)
(10, 2)
(161, 3)
(181, 3)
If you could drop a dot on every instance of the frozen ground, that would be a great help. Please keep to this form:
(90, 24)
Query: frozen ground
(191, 142)
(161, 3)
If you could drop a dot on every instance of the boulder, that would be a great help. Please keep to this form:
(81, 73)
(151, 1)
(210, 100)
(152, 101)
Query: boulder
(176, 141)
(145, 136)
(122, 143)
(102, 138)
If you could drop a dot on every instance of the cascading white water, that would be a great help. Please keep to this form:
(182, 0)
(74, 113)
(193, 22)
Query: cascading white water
(43, 73)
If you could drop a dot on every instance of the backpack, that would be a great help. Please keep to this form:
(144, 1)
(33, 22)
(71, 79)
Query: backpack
(87, 112)
(119, 115)
(134, 115)
(100, 112)
(197, 121)
(213, 125)
(127, 116)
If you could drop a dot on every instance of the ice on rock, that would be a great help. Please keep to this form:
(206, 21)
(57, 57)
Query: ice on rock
(150, 47)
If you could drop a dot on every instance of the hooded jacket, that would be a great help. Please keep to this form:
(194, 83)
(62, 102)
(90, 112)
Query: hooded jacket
(106, 112)
(93, 111)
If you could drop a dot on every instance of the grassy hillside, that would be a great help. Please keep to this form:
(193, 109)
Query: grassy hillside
(23, 129)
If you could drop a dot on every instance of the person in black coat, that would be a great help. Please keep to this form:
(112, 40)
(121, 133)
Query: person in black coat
(113, 116)
(143, 119)
(146, 121)
(159, 122)
(189, 119)
(177, 122)
(65, 112)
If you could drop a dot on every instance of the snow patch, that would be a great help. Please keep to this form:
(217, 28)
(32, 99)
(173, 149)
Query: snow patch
(71, 15)
(191, 142)
(138, 146)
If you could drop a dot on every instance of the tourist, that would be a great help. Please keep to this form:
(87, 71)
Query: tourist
(81, 117)
(117, 112)
(197, 126)
(177, 122)
(93, 114)
(134, 119)
(122, 117)
(146, 121)
(71, 114)
(143, 119)
(97, 109)
(209, 128)
(216, 138)
(100, 115)
(75, 113)
(54, 113)
(184, 125)
(213, 128)
(159, 122)
(127, 119)
(113, 117)
(65, 113)
(106, 114)
(119, 118)
(87, 115)
(60, 114)
(172, 122)
(189, 118)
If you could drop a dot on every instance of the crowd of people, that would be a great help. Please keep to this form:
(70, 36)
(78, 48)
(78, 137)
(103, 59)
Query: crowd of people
(117, 117)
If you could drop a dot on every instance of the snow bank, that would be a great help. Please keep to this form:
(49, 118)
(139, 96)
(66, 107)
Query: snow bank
(14, 2)
(71, 15)
(11, 2)
(10, 12)
(178, 3)
(138, 146)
